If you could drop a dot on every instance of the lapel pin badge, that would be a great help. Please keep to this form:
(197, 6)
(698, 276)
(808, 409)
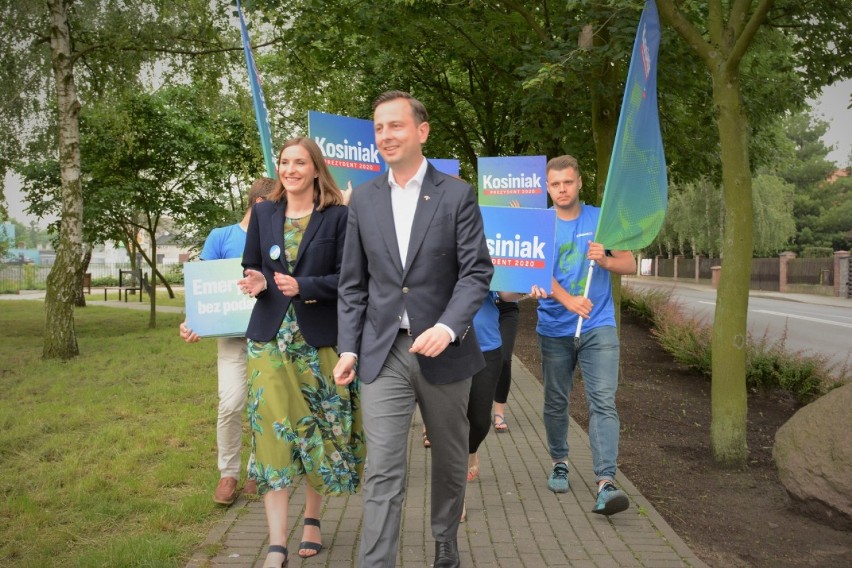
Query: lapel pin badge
(425, 198)
(275, 252)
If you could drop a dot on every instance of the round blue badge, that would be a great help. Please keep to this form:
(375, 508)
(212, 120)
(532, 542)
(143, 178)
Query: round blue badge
(275, 252)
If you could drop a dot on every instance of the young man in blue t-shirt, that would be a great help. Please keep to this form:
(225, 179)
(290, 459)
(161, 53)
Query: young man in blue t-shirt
(596, 351)
(222, 243)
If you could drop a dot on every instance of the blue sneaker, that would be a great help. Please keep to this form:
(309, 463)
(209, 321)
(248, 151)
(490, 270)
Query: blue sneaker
(611, 500)
(558, 481)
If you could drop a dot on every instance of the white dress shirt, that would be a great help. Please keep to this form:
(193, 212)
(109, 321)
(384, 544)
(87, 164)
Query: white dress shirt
(404, 205)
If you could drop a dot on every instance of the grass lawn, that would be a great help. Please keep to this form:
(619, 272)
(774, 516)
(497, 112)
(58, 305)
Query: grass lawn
(108, 459)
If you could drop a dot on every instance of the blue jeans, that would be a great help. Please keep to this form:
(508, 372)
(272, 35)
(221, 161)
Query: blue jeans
(597, 354)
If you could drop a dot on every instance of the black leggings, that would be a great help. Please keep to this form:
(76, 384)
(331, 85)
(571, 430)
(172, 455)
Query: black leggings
(481, 397)
(510, 314)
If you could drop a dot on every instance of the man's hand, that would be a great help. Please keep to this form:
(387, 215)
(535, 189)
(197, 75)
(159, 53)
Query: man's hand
(344, 371)
(538, 293)
(596, 252)
(431, 342)
(580, 305)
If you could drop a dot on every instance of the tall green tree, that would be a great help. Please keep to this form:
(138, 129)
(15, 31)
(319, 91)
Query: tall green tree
(173, 154)
(721, 36)
(162, 155)
(498, 78)
(695, 222)
(52, 51)
(808, 168)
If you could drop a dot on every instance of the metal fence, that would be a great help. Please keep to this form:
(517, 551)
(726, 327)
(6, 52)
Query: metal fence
(804, 275)
(17, 277)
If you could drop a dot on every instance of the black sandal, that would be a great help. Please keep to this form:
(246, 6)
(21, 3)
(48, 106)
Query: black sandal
(273, 548)
(308, 545)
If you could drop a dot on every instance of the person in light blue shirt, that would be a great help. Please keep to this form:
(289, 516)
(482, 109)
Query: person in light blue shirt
(222, 243)
(596, 350)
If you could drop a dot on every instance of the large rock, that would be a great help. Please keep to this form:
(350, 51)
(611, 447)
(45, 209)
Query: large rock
(813, 453)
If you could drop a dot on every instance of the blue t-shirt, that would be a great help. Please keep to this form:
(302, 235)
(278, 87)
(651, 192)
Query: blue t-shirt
(224, 242)
(486, 322)
(571, 270)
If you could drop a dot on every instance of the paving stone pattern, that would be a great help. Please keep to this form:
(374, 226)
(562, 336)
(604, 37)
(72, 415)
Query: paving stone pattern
(513, 520)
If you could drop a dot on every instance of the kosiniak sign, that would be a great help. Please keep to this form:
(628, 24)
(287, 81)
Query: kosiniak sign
(520, 242)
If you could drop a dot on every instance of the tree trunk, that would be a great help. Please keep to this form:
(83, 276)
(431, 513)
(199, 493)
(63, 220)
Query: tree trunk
(728, 390)
(60, 340)
(161, 278)
(80, 302)
(152, 262)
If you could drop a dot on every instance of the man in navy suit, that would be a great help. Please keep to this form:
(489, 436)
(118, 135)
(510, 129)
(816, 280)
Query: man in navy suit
(415, 270)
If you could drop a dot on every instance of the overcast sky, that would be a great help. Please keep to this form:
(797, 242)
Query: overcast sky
(832, 106)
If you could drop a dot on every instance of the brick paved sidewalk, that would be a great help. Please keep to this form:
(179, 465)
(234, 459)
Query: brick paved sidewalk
(513, 520)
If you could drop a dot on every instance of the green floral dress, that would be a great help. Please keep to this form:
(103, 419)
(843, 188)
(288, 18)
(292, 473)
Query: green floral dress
(302, 423)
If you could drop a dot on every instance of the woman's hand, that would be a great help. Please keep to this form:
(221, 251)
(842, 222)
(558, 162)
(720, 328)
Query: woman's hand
(288, 285)
(253, 284)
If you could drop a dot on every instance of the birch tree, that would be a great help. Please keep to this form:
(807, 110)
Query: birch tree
(50, 51)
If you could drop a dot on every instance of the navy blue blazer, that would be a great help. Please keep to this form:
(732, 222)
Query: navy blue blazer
(317, 271)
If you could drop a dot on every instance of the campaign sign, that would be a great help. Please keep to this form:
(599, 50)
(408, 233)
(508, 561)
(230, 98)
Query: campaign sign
(215, 306)
(520, 242)
(349, 147)
(513, 181)
(448, 166)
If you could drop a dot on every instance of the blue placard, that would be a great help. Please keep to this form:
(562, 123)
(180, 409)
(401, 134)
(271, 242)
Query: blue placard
(513, 181)
(215, 306)
(448, 166)
(520, 242)
(349, 147)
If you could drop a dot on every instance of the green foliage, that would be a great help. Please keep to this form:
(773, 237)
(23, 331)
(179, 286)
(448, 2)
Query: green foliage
(30, 273)
(4, 239)
(695, 221)
(774, 225)
(646, 304)
(497, 78)
(769, 364)
(687, 339)
(817, 252)
(115, 452)
(105, 281)
(174, 274)
(821, 209)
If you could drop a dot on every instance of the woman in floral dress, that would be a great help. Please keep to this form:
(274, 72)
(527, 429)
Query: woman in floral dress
(303, 425)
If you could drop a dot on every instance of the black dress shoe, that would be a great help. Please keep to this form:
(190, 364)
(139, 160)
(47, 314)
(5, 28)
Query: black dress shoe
(447, 554)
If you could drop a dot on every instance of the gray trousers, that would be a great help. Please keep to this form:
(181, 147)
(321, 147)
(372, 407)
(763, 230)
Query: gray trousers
(387, 405)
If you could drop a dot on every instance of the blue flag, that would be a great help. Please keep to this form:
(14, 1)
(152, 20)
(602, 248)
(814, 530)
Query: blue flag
(636, 192)
(260, 114)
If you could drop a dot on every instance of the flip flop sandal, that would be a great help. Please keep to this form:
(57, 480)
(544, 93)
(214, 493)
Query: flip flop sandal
(500, 425)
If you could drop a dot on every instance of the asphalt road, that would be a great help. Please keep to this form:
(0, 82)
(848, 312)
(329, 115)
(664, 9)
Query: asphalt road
(810, 324)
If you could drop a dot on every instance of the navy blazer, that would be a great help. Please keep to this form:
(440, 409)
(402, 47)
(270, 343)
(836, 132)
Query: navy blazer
(445, 278)
(317, 271)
